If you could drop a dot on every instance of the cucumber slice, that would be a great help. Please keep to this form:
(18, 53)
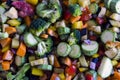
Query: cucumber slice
(63, 49)
(45, 67)
(115, 16)
(75, 52)
(105, 68)
(102, 12)
(107, 3)
(63, 30)
(107, 35)
(115, 6)
(93, 8)
(90, 49)
(15, 43)
(115, 23)
(30, 40)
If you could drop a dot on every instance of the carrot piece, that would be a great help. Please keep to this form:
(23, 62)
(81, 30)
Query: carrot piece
(21, 50)
(52, 33)
(44, 36)
(56, 62)
(116, 75)
(85, 26)
(5, 65)
(27, 20)
(8, 55)
(67, 61)
(10, 30)
(53, 77)
(99, 78)
(92, 1)
(74, 19)
(5, 42)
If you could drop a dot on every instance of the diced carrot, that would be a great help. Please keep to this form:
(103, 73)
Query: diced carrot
(10, 30)
(118, 66)
(99, 78)
(21, 50)
(67, 61)
(116, 75)
(74, 19)
(5, 65)
(8, 55)
(85, 26)
(53, 77)
(27, 20)
(56, 62)
(92, 1)
(5, 42)
(52, 33)
(44, 36)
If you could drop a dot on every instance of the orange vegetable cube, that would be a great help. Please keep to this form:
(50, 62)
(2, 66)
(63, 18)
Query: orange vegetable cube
(8, 55)
(5, 65)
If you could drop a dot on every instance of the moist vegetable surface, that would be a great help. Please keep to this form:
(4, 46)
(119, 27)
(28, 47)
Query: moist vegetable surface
(59, 39)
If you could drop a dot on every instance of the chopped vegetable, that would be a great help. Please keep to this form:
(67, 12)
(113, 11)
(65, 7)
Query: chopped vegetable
(21, 50)
(8, 55)
(75, 9)
(5, 65)
(10, 30)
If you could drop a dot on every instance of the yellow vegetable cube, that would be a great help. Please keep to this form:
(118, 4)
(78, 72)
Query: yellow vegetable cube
(6, 48)
(114, 62)
(37, 72)
(95, 55)
(62, 76)
(13, 22)
(33, 2)
(72, 1)
(77, 25)
(83, 69)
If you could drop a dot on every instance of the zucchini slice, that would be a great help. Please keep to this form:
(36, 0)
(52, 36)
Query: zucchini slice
(45, 67)
(75, 52)
(107, 35)
(115, 6)
(107, 3)
(30, 40)
(90, 49)
(105, 68)
(63, 49)
(93, 7)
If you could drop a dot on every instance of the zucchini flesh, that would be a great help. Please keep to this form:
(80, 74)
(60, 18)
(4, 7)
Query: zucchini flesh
(30, 40)
(63, 49)
(90, 49)
(75, 52)
(107, 35)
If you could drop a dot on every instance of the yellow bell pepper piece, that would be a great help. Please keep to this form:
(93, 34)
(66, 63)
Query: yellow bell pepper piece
(84, 3)
(83, 69)
(114, 62)
(6, 48)
(13, 22)
(62, 76)
(37, 72)
(77, 25)
(96, 55)
(33, 2)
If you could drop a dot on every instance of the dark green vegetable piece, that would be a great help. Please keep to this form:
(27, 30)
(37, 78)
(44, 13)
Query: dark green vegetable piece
(74, 37)
(38, 26)
(48, 9)
(20, 74)
(75, 9)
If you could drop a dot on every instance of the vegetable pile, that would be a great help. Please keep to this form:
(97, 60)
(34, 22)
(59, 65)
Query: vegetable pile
(59, 39)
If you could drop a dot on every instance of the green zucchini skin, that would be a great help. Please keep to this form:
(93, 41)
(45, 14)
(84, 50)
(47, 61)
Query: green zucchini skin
(90, 52)
(66, 46)
(114, 7)
(93, 8)
(107, 3)
(73, 53)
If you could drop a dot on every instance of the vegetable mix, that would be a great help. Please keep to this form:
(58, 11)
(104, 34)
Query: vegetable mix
(59, 39)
